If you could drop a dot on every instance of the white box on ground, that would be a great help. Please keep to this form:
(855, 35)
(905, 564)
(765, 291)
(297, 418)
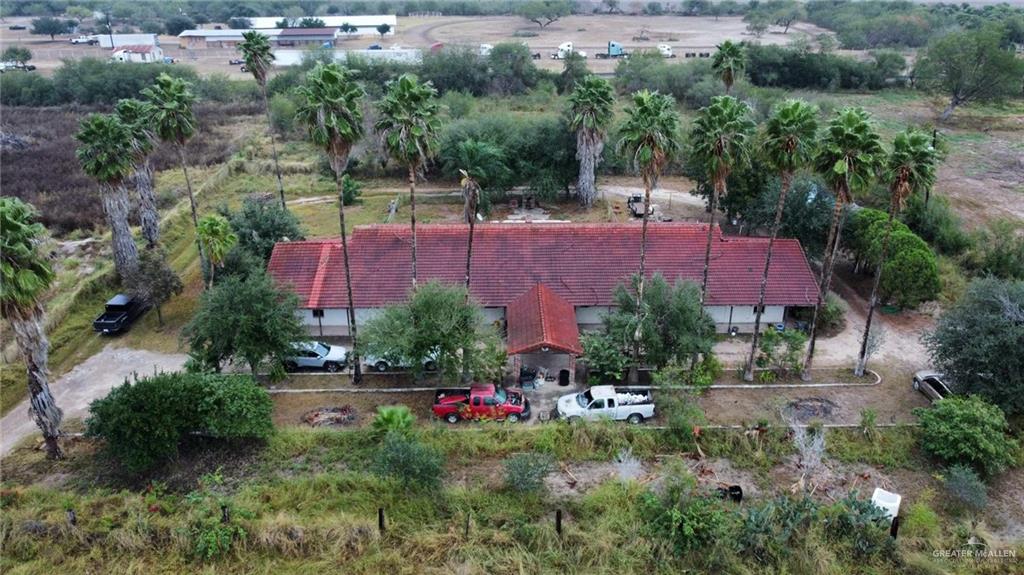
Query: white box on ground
(887, 501)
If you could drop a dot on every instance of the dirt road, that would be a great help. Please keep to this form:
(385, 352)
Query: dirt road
(89, 380)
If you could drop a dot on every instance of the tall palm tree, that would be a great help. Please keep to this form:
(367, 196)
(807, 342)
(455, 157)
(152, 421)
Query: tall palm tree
(650, 137)
(721, 142)
(479, 164)
(910, 169)
(408, 126)
(255, 49)
(26, 275)
(788, 145)
(331, 108)
(729, 62)
(849, 155)
(107, 151)
(590, 113)
(174, 122)
(217, 238)
(136, 114)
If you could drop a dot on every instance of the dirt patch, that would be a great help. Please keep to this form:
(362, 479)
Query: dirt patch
(716, 472)
(809, 409)
(291, 408)
(1005, 513)
(573, 479)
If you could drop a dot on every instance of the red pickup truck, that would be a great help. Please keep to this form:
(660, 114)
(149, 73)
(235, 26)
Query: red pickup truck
(481, 401)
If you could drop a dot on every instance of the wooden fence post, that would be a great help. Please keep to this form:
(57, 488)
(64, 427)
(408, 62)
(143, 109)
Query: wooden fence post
(380, 520)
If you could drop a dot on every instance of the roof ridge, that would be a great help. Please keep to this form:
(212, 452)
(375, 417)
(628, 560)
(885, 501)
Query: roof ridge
(540, 287)
(318, 279)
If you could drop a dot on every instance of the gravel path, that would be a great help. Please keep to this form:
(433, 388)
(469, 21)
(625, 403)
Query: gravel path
(89, 380)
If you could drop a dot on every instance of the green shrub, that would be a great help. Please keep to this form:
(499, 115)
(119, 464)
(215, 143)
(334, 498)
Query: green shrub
(967, 431)
(143, 422)
(410, 462)
(604, 358)
(965, 488)
(937, 224)
(781, 352)
(525, 472)
(769, 530)
(919, 520)
(998, 251)
(393, 419)
(261, 223)
(860, 525)
(282, 114)
(685, 522)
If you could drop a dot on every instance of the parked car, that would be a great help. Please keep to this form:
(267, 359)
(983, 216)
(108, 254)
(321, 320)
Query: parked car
(606, 401)
(236, 61)
(383, 364)
(481, 401)
(119, 314)
(375, 47)
(8, 66)
(17, 27)
(932, 385)
(316, 355)
(90, 40)
(635, 203)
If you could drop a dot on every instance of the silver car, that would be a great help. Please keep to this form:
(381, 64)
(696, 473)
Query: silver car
(932, 385)
(316, 355)
(381, 364)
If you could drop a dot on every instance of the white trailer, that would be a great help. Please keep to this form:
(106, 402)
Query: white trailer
(118, 40)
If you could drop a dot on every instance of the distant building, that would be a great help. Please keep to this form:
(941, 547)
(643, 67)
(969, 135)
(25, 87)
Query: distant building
(364, 25)
(119, 40)
(306, 36)
(142, 54)
(199, 39)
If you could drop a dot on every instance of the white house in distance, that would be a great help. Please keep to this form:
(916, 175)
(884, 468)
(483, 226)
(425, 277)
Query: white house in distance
(364, 25)
(141, 54)
(576, 265)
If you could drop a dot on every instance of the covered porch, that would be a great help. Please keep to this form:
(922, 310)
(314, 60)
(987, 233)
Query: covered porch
(543, 338)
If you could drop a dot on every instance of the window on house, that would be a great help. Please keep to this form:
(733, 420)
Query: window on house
(318, 313)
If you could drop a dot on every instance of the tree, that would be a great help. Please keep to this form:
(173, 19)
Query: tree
(649, 138)
(729, 62)
(247, 319)
(574, 71)
(262, 223)
(174, 122)
(720, 143)
(383, 29)
(25, 276)
(544, 12)
(177, 24)
(591, 109)
(849, 154)
(441, 322)
(49, 26)
(311, 23)
(977, 343)
(781, 352)
(408, 124)
(154, 282)
(136, 114)
(142, 423)
(910, 169)
(106, 150)
(788, 145)
(217, 239)
(18, 54)
(967, 67)
(347, 29)
(757, 23)
(255, 49)
(239, 24)
(968, 431)
(331, 109)
(512, 68)
(786, 13)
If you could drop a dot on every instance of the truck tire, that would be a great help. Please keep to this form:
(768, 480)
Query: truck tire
(575, 419)
(381, 366)
(430, 365)
(635, 418)
(512, 418)
(290, 366)
(332, 367)
(452, 418)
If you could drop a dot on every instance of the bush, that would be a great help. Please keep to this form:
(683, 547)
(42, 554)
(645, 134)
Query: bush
(261, 223)
(936, 223)
(456, 69)
(525, 472)
(687, 522)
(967, 431)
(393, 419)
(27, 90)
(408, 461)
(94, 81)
(966, 488)
(604, 357)
(920, 521)
(910, 277)
(782, 352)
(143, 422)
(282, 114)
(861, 525)
(997, 251)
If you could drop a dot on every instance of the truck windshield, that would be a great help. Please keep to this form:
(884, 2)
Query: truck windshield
(584, 399)
(499, 396)
(322, 349)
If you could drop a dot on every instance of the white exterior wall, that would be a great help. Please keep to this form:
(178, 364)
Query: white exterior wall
(591, 317)
(292, 57)
(365, 25)
(742, 316)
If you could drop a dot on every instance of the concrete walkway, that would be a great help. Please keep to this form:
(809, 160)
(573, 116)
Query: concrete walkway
(89, 380)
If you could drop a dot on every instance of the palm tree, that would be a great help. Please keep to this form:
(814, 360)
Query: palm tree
(479, 164)
(910, 169)
(26, 275)
(787, 146)
(255, 49)
(331, 109)
(217, 238)
(650, 139)
(729, 62)
(107, 152)
(408, 126)
(721, 142)
(136, 114)
(590, 113)
(173, 121)
(849, 154)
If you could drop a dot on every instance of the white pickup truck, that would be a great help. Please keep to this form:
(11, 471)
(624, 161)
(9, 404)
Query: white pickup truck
(605, 401)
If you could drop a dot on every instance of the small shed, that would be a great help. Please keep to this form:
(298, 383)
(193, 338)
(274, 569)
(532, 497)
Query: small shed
(543, 334)
(141, 53)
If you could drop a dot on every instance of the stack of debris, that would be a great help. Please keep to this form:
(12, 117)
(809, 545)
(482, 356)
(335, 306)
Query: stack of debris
(324, 416)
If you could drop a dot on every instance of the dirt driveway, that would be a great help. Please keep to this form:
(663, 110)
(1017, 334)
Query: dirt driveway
(89, 380)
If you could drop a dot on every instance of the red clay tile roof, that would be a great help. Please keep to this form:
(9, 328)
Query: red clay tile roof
(581, 262)
(540, 318)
